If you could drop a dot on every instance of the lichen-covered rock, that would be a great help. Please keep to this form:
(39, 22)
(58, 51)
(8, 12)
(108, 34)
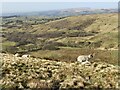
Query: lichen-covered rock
(41, 73)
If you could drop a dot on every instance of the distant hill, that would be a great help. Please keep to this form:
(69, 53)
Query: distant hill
(64, 12)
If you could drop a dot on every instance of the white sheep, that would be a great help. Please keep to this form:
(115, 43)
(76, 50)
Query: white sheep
(17, 54)
(83, 59)
(25, 56)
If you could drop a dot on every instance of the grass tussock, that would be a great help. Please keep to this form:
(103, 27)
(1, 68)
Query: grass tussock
(18, 72)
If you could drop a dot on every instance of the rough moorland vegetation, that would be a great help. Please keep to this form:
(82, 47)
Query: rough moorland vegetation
(57, 36)
(91, 31)
(18, 72)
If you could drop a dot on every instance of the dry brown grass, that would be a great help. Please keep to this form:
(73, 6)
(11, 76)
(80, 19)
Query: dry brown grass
(71, 54)
(36, 73)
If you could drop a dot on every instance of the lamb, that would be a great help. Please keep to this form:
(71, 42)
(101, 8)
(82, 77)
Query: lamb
(17, 55)
(25, 56)
(83, 59)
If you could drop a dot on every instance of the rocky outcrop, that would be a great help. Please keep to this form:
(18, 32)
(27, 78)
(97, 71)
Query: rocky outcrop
(40, 73)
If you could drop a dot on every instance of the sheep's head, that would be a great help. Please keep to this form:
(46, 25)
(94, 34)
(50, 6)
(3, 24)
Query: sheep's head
(91, 56)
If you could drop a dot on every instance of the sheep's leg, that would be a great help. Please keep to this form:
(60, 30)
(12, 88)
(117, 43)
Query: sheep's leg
(83, 63)
(86, 62)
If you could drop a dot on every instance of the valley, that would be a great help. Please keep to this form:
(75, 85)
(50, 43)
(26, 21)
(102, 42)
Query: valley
(56, 36)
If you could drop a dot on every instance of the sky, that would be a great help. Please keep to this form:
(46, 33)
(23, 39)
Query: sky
(11, 7)
(59, 0)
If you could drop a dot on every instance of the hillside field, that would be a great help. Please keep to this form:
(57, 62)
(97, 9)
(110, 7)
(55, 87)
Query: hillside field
(62, 38)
